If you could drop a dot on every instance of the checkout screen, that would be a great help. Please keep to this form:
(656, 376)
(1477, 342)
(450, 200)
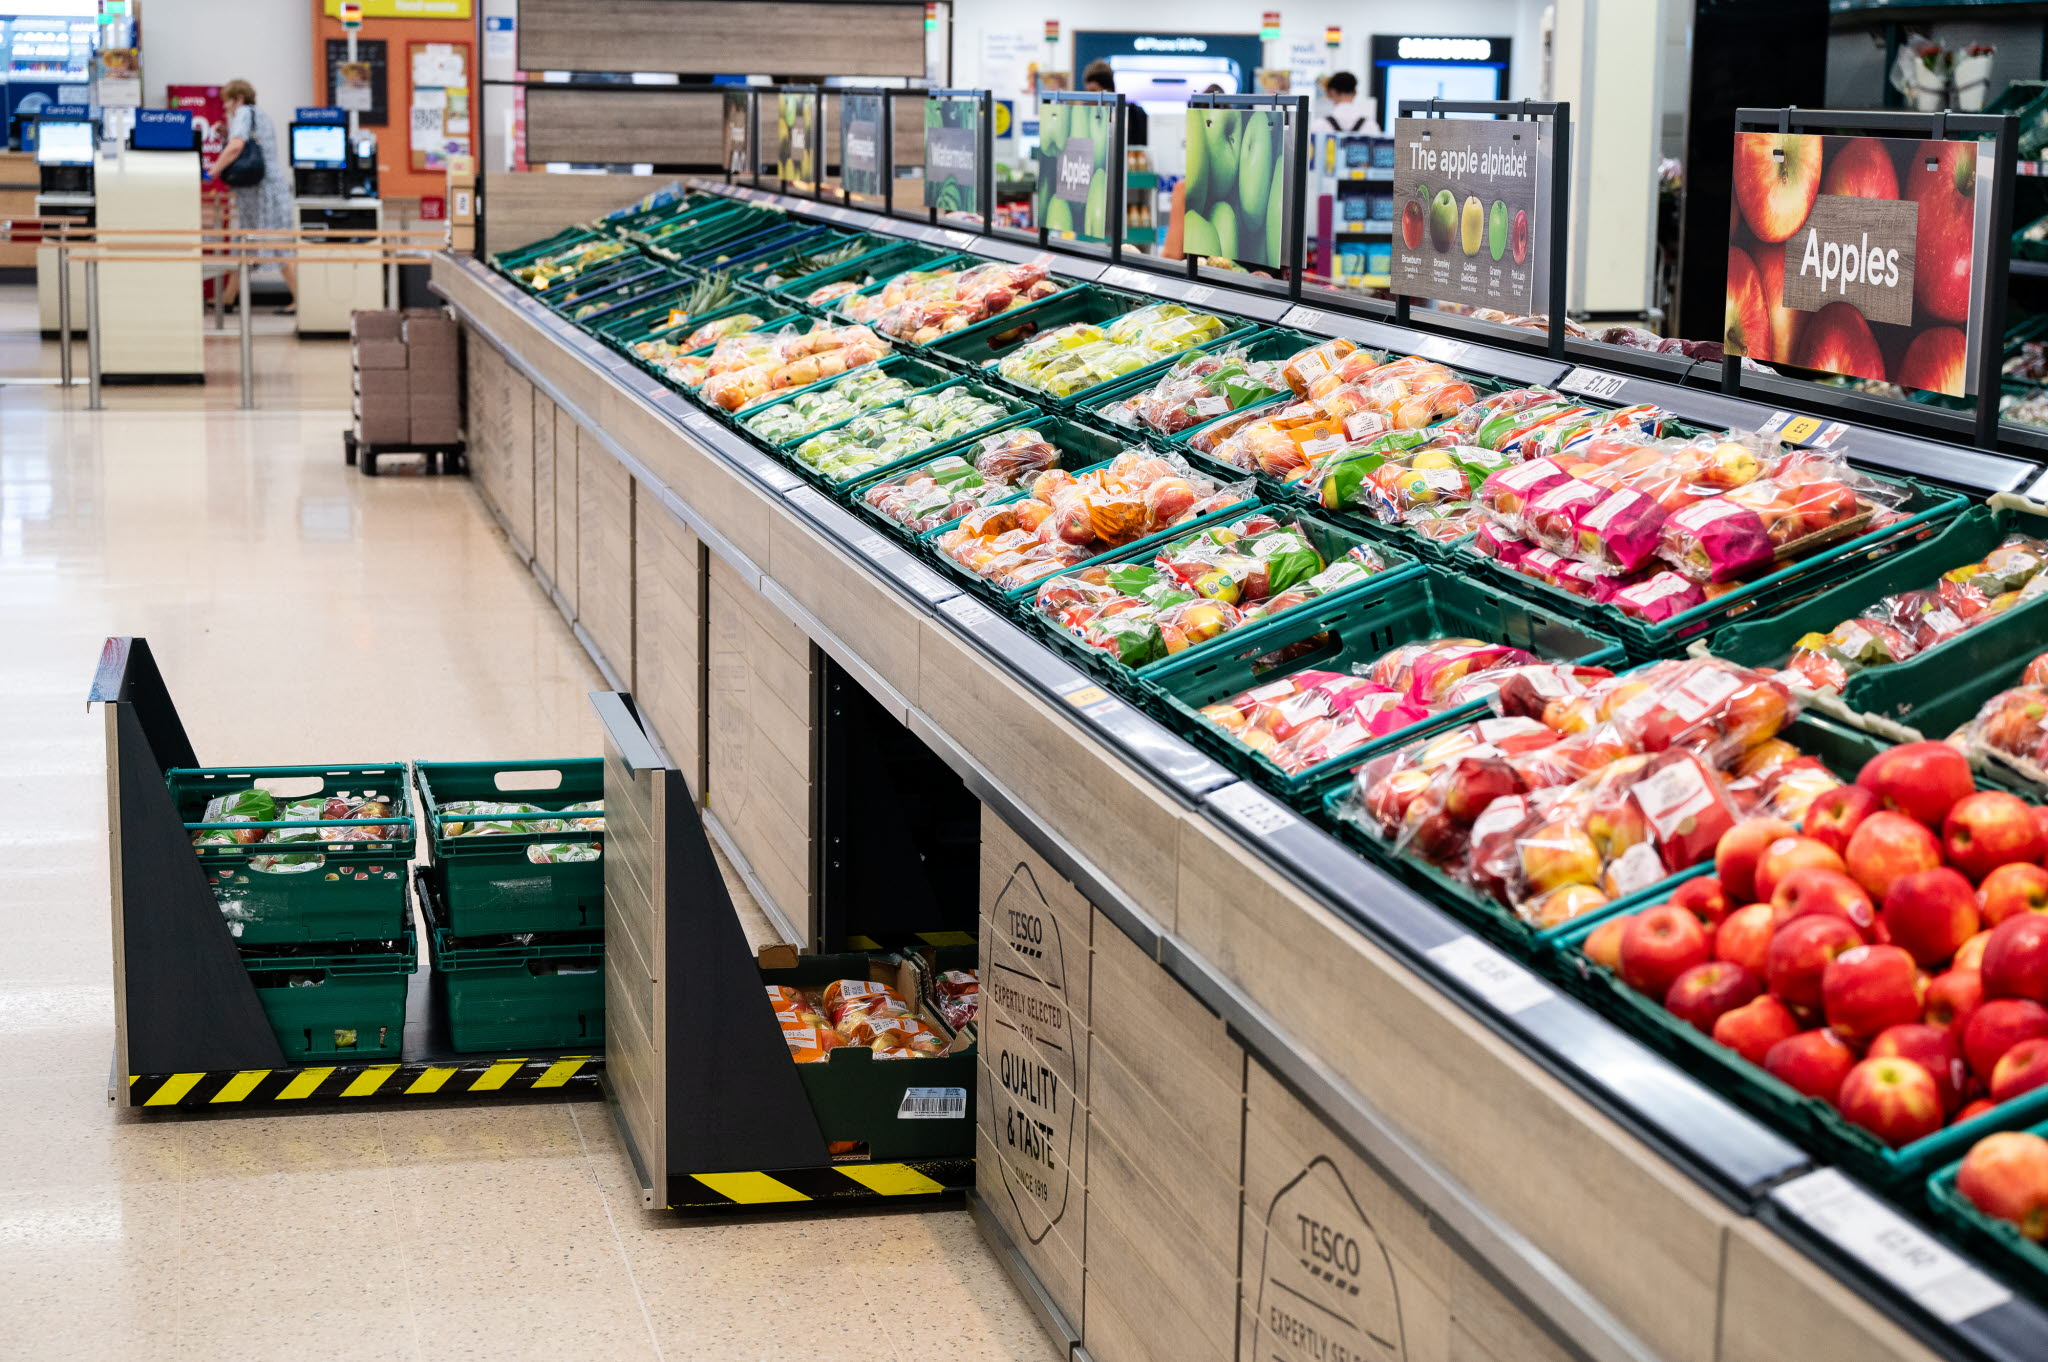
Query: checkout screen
(320, 148)
(64, 144)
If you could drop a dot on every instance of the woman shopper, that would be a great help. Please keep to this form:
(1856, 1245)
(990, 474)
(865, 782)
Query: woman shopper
(265, 206)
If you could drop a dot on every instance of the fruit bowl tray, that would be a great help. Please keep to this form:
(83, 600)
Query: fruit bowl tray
(1356, 627)
(1925, 506)
(886, 261)
(983, 346)
(1331, 540)
(1937, 691)
(1812, 1123)
(1269, 343)
(1992, 1238)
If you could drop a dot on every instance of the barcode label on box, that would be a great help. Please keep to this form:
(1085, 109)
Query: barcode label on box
(1592, 383)
(933, 1104)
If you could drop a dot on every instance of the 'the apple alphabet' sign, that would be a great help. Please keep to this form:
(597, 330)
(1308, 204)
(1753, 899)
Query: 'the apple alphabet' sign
(1467, 194)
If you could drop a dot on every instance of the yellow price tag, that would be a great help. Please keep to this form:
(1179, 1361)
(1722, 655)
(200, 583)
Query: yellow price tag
(1799, 429)
(1086, 696)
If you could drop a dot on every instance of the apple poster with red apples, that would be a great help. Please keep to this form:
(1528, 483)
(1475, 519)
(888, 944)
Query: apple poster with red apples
(1854, 256)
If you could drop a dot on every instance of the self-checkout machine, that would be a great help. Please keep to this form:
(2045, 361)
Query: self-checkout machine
(66, 138)
(334, 188)
(146, 199)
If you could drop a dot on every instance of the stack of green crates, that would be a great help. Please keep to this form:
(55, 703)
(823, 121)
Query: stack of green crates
(322, 924)
(514, 901)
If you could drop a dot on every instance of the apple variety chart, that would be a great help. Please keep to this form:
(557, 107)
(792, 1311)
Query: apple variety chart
(1209, 920)
(1466, 194)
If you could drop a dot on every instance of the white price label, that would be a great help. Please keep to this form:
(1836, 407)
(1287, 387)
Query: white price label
(875, 546)
(1890, 1245)
(554, 77)
(700, 420)
(1303, 318)
(1442, 350)
(1251, 810)
(966, 613)
(1491, 975)
(1592, 383)
(933, 1104)
(1199, 294)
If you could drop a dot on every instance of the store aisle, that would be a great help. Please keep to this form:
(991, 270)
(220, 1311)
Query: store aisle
(303, 613)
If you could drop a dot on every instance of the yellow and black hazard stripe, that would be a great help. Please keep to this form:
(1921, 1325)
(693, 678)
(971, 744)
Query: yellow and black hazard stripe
(343, 1082)
(831, 1185)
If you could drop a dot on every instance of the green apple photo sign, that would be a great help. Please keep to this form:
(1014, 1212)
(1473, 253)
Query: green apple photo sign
(796, 127)
(1237, 186)
(1075, 143)
(1466, 224)
(1855, 255)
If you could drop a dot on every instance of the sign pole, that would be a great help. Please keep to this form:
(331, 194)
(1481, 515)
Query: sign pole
(1559, 225)
(885, 154)
(1990, 280)
(1297, 198)
(985, 173)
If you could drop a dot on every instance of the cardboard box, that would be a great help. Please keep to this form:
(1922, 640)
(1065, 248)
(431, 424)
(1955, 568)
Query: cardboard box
(382, 354)
(393, 386)
(375, 324)
(436, 429)
(378, 423)
(462, 238)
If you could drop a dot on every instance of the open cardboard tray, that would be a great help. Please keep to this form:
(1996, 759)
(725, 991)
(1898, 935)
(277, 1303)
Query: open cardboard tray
(1353, 627)
(1330, 540)
(981, 348)
(1814, 1124)
(1998, 1242)
(1078, 447)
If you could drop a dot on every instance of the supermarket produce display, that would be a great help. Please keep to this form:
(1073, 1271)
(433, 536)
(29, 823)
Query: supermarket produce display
(1479, 647)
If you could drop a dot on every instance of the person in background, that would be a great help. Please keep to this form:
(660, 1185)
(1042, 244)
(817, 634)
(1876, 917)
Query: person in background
(265, 206)
(1345, 115)
(1137, 124)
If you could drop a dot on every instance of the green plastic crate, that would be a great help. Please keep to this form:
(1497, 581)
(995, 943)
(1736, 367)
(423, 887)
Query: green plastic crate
(1926, 506)
(773, 316)
(336, 1007)
(1357, 626)
(838, 482)
(883, 263)
(1943, 687)
(1996, 1241)
(355, 891)
(650, 308)
(795, 254)
(563, 296)
(981, 347)
(506, 262)
(1267, 343)
(487, 883)
(1330, 540)
(1078, 446)
(921, 374)
(543, 992)
(661, 280)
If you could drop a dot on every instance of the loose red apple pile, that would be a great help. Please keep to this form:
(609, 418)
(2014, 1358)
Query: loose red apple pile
(1587, 787)
(1891, 960)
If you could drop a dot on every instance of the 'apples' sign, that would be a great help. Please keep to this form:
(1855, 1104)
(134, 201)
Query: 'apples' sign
(1853, 255)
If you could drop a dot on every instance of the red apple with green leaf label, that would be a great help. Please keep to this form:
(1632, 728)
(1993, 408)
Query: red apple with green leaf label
(1942, 179)
(1777, 177)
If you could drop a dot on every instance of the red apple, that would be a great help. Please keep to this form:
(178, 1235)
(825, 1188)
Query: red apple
(1894, 1099)
(2021, 1069)
(1746, 318)
(1704, 992)
(1987, 830)
(1837, 340)
(1951, 998)
(1800, 955)
(1869, 988)
(1941, 178)
(1739, 850)
(1752, 1029)
(1835, 814)
(1603, 944)
(1703, 897)
(1777, 177)
(1861, 168)
(1786, 855)
(1812, 1062)
(2006, 1176)
(2016, 959)
(2011, 890)
(1937, 361)
(1922, 780)
(1931, 913)
(1886, 846)
(1824, 893)
(2041, 814)
(1997, 1026)
(1744, 937)
(1658, 945)
(1786, 322)
(1934, 1050)
(1971, 953)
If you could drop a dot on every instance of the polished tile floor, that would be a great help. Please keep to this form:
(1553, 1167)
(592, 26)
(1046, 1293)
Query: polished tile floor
(303, 613)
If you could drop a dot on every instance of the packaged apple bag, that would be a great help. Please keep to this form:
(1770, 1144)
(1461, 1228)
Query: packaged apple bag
(1198, 388)
(1716, 540)
(1358, 564)
(1504, 547)
(1657, 596)
(2013, 724)
(1311, 716)
(1507, 495)
(1466, 425)
(1315, 364)
(1621, 532)
(1551, 519)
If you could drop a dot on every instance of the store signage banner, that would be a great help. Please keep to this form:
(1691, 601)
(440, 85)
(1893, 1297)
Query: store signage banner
(1466, 195)
(1074, 146)
(405, 9)
(736, 130)
(1856, 256)
(952, 155)
(796, 126)
(1237, 185)
(860, 144)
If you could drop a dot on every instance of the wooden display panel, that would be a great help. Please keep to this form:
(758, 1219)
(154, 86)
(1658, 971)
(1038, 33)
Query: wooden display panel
(525, 206)
(20, 182)
(758, 713)
(703, 37)
(568, 528)
(604, 553)
(668, 635)
(1161, 1285)
(515, 458)
(544, 484)
(1776, 1304)
(481, 364)
(883, 627)
(621, 127)
(636, 1023)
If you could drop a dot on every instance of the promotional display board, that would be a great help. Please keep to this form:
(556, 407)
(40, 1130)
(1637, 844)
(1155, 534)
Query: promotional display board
(952, 153)
(861, 163)
(1078, 168)
(796, 130)
(738, 135)
(1237, 185)
(1468, 219)
(1856, 255)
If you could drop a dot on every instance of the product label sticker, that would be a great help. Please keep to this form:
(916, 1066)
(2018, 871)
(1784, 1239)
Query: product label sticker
(966, 612)
(1029, 1069)
(1500, 981)
(1326, 1286)
(1943, 1283)
(1441, 349)
(932, 1104)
